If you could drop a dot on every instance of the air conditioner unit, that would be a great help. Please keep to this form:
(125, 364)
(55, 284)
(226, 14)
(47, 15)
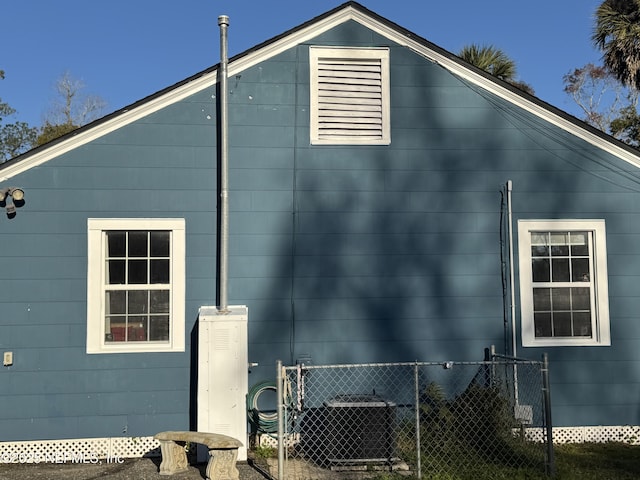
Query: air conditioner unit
(358, 429)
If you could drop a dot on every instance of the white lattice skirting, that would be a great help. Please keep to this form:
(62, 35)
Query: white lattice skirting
(598, 434)
(82, 450)
(88, 449)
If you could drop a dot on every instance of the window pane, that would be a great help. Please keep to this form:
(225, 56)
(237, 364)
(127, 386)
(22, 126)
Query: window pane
(137, 244)
(560, 298)
(560, 270)
(159, 328)
(115, 272)
(138, 300)
(580, 269)
(541, 299)
(115, 331)
(581, 299)
(542, 324)
(539, 251)
(115, 302)
(137, 330)
(159, 244)
(579, 244)
(539, 244)
(562, 324)
(159, 301)
(559, 244)
(160, 271)
(559, 250)
(116, 242)
(540, 269)
(582, 324)
(137, 271)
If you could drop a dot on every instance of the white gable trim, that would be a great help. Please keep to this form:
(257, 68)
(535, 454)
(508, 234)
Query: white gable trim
(280, 45)
(496, 89)
(103, 128)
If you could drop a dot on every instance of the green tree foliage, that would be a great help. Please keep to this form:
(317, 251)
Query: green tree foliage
(617, 34)
(15, 137)
(490, 59)
(49, 132)
(626, 127)
(494, 61)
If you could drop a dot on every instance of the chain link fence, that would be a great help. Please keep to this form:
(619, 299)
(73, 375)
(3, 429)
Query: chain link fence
(459, 420)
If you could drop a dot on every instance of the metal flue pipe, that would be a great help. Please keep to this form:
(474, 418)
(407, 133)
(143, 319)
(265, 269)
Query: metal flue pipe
(223, 232)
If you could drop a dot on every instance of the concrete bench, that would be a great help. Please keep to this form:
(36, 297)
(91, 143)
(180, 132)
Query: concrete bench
(223, 453)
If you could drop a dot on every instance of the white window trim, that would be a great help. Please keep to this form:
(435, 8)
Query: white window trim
(95, 287)
(379, 53)
(601, 330)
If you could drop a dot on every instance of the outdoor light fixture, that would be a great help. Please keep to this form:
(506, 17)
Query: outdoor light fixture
(16, 194)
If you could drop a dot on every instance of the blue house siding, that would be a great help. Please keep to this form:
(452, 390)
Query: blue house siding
(160, 166)
(395, 251)
(342, 253)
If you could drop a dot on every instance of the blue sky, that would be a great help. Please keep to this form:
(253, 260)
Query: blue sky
(124, 50)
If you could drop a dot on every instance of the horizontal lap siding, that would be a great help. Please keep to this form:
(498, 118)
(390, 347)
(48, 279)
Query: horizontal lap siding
(160, 166)
(393, 252)
(382, 253)
(392, 255)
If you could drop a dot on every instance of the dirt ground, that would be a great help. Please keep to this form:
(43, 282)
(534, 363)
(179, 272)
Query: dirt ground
(130, 469)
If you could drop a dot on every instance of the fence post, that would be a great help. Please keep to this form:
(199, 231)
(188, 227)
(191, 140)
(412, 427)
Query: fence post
(546, 390)
(417, 403)
(280, 408)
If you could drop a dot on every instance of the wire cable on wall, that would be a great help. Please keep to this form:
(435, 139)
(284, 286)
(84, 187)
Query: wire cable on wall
(539, 125)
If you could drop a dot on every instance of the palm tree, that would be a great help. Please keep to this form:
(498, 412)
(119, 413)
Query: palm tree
(617, 34)
(490, 59)
(494, 61)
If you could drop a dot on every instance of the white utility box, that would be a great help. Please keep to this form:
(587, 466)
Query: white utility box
(223, 374)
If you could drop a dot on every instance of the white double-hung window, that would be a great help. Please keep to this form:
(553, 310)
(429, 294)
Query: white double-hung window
(563, 282)
(135, 287)
(349, 96)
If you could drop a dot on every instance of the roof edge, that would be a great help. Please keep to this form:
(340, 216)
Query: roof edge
(350, 10)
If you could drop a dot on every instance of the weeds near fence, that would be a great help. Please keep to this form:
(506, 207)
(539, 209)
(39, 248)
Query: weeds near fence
(475, 428)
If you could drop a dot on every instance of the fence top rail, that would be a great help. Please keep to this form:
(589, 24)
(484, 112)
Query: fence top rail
(503, 361)
(514, 359)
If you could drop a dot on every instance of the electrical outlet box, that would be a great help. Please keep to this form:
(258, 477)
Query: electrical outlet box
(8, 359)
(524, 414)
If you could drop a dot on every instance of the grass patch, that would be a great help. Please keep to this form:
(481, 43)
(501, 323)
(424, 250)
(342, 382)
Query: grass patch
(584, 461)
(597, 461)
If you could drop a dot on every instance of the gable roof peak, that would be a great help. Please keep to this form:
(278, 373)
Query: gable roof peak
(350, 10)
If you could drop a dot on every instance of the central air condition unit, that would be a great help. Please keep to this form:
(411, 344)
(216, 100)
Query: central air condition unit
(358, 428)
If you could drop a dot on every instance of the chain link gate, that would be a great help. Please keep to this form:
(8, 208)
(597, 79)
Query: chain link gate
(413, 420)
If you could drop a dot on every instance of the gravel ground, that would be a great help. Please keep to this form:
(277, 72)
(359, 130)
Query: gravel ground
(131, 469)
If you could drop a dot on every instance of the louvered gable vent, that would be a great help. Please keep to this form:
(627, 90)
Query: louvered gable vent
(351, 97)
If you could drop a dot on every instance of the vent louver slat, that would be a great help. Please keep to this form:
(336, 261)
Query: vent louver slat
(350, 98)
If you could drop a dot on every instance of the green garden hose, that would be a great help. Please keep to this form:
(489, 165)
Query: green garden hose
(264, 422)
